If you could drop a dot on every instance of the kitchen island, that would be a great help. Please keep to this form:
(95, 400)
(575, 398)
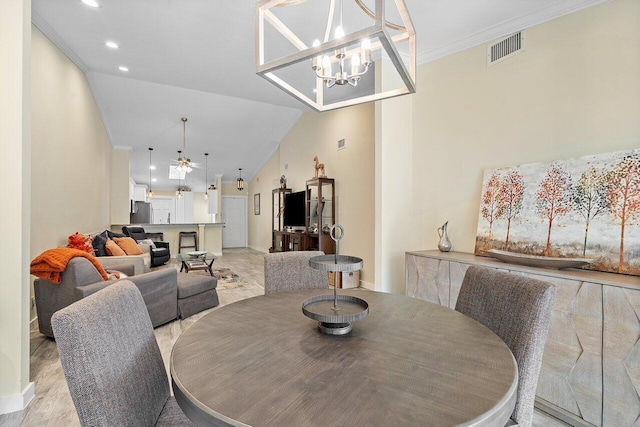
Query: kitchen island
(209, 234)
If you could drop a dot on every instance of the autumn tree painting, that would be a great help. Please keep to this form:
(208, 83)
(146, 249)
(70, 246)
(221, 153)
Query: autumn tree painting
(492, 209)
(512, 190)
(553, 199)
(623, 195)
(587, 207)
(589, 196)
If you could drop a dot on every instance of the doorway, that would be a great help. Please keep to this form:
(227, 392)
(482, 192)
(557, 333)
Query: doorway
(234, 216)
(163, 210)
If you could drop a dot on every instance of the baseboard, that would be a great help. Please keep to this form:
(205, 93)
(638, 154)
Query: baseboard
(255, 248)
(560, 414)
(367, 285)
(17, 402)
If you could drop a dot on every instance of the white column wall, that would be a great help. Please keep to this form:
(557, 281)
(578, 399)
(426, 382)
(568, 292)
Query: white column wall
(15, 183)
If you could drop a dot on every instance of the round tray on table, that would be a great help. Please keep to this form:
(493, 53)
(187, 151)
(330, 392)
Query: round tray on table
(335, 312)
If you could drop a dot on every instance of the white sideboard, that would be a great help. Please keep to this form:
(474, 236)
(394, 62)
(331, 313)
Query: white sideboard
(591, 367)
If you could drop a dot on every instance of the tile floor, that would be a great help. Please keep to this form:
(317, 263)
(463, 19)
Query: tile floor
(52, 405)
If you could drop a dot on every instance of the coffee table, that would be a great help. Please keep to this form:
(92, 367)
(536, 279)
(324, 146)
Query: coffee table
(410, 362)
(196, 262)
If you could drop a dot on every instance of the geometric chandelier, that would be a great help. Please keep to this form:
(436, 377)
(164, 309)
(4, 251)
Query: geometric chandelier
(336, 53)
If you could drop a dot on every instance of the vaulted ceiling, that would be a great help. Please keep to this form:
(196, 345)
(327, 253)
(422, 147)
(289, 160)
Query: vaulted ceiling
(195, 59)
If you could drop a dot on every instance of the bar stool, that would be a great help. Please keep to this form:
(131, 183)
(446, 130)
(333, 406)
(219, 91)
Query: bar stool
(188, 234)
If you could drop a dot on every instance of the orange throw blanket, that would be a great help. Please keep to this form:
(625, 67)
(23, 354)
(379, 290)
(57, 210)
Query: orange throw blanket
(49, 264)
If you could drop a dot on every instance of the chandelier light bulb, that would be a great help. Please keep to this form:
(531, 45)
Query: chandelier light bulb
(355, 64)
(206, 195)
(326, 65)
(366, 44)
(316, 61)
(339, 32)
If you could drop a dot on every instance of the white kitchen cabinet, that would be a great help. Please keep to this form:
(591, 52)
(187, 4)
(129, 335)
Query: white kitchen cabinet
(184, 208)
(140, 193)
(212, 202)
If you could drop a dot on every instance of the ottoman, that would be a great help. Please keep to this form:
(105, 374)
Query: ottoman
(196, 293)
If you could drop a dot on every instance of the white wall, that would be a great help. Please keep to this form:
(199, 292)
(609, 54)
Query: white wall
(15, 45)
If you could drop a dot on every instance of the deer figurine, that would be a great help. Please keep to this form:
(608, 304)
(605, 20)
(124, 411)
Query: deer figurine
(319, 167)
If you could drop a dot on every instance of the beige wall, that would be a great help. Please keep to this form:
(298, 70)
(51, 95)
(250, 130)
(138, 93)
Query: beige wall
(231, 189)
(71, 151)
(119, 184)
(574, 91)
(15, 43)
(260, 225)
(352, 168)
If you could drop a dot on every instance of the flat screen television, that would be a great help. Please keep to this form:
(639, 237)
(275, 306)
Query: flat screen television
(294, 209)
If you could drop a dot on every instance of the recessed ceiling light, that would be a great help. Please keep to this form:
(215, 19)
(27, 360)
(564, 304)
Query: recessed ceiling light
(153, 180)
(123, 68)
(91, 3)
(315, 90)
(152, 167)
(112, 45)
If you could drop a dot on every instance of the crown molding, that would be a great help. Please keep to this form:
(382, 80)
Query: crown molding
(557, 10)
(55, 38)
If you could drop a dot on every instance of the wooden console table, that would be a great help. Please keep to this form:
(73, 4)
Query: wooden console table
(591, 365)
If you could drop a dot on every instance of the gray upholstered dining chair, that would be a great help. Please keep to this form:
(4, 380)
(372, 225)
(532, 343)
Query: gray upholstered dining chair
(518, 310)
(285, 271)
(112, 362)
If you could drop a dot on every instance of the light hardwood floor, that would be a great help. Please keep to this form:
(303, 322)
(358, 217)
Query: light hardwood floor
(52, 405)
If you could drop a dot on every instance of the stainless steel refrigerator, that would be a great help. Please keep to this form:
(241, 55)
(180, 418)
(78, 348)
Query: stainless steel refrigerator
(142, 213)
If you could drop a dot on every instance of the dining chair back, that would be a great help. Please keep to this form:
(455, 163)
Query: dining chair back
(518, 310)
(112, 362)
(286, 271)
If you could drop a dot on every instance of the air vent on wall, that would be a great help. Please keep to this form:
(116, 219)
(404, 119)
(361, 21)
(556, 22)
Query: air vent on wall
(505, 48)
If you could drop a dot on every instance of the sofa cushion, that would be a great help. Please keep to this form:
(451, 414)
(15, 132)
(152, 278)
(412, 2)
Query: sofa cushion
(113, 249)
(99, 242)
(128, 245)
(194, 284)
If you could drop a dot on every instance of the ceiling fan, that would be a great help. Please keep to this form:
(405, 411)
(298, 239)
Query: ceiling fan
(183, 163)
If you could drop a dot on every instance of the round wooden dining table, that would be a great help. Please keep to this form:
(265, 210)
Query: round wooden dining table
(261, 362)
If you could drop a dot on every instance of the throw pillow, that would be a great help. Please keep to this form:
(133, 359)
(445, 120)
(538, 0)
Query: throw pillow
(111, 234)
(147, 242)
(99, 242)
(79, 241)
(113, 249)
(128, 245)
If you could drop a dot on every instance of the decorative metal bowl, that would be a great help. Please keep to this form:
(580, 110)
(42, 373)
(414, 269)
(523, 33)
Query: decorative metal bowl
(538, 261)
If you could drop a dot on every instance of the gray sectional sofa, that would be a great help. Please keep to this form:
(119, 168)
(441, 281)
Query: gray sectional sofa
(167, 294)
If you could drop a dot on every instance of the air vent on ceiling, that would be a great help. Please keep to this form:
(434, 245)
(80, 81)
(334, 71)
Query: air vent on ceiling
(505, 48)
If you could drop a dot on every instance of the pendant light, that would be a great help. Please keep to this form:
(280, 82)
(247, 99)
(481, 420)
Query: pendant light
(240, 181)
(179, 192)
(150, 193)
(206, 176)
